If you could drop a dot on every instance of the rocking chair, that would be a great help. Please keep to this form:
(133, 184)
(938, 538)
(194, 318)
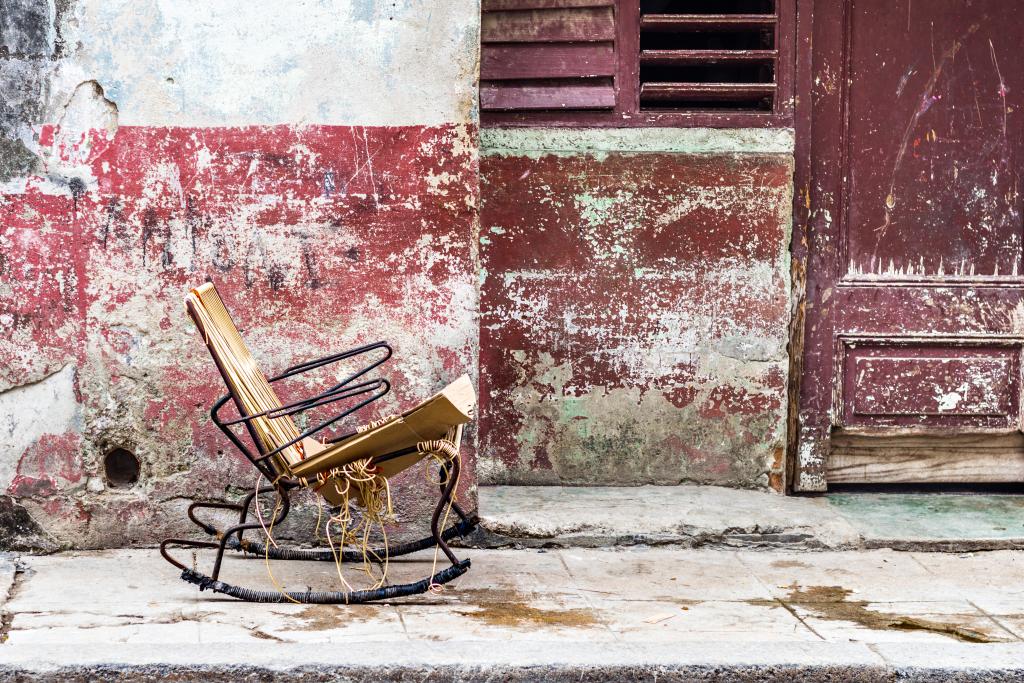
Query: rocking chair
(277, 445)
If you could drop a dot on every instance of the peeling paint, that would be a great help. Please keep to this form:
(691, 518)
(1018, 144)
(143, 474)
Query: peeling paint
(634, 317)
(49, 406)
(247, 62)
(162, 143)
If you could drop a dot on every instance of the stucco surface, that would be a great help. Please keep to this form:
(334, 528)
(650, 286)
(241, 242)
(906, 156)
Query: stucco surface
(634, 313)
(316, 160)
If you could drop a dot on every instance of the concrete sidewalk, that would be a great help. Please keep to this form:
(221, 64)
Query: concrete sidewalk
(613, 614)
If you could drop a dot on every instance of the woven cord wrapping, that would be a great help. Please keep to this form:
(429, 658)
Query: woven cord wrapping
(441, 449)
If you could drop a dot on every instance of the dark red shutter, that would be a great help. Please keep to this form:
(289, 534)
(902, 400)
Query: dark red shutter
(547, 54)
(697, 54)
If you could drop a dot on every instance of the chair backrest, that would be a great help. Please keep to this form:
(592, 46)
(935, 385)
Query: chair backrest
(241, 373)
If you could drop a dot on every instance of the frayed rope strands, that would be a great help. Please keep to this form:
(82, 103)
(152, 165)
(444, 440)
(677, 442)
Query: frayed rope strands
(458, 530)
(373, 493)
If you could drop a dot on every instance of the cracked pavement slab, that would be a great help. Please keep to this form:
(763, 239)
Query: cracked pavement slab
(75, 614)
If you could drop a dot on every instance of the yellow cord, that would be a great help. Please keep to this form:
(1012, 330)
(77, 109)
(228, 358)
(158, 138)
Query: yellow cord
(266, 553)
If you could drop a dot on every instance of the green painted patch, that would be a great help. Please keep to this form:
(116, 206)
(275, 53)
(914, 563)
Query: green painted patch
(923, 516)
(536, 142)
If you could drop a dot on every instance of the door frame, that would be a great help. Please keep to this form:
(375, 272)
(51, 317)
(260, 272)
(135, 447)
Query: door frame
(820, 120)
(801, 471)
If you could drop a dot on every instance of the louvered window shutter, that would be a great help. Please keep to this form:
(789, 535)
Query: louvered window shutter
(547, 55)
(708, 55)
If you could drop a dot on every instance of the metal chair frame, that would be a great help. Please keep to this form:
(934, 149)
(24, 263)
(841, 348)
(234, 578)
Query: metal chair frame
(282, 484)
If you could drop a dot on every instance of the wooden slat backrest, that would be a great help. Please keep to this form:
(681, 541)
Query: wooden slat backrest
(241, 373)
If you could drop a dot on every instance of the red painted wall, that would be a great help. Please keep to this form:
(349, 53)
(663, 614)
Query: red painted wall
(634, 318)
(320, 238)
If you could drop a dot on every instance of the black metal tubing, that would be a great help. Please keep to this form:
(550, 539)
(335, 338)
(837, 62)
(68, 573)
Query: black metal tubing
(242, 528)
(327, 423)
(232, 538)
(448, 484)
(466, 524)
(329, 396)
(185, 543)
(327, 360)
(312, 597)
(342, 390)
(461, 529)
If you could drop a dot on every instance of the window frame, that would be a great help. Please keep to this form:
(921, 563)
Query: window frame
(627, 113)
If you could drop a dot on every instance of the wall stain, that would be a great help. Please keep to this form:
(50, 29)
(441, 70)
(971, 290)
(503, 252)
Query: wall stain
(633, 318)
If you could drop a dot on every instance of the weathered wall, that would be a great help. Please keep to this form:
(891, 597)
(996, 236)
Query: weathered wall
(635, 306)
(316, 159)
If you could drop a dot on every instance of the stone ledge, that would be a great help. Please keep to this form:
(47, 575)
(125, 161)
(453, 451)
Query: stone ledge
(685, 516)
(600, 141)
(709, 516)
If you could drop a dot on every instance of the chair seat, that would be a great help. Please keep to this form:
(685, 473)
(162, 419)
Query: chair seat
(322, 481)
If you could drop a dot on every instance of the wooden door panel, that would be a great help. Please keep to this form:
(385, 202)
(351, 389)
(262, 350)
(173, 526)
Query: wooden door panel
(887, 308)
(926, 383)
(928, 458)
(932, 140)
(914, 304)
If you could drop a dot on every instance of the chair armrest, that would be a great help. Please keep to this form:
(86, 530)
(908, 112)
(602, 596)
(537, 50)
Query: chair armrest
(366, 387)
(344, 389)
(336, 393)
(327, 360)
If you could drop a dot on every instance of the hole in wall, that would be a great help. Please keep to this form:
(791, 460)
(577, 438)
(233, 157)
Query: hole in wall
(121, 468)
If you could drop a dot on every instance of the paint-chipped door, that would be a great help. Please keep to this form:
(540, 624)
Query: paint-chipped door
(914, 318)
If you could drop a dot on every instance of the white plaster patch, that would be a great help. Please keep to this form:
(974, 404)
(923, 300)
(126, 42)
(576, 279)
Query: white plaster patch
(31, 411)
(259, 62)
(949, 401)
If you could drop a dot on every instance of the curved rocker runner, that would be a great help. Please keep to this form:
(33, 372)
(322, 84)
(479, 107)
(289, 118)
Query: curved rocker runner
(351, 469)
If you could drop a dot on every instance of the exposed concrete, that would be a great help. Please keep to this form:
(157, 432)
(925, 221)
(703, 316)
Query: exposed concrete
(32, 411)
(528, 661)
(710, 516)
(27, 29)
(572, 141)
(677, 615)
(239, 62)
(19, 531)
(945, 521)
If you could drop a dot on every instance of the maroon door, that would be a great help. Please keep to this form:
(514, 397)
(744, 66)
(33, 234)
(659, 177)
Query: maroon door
(914, 318)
